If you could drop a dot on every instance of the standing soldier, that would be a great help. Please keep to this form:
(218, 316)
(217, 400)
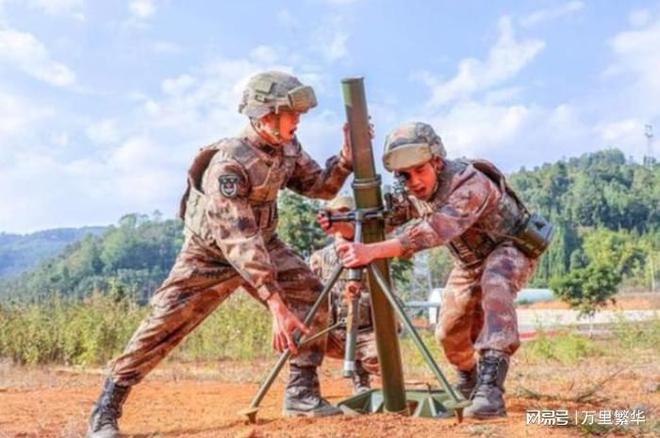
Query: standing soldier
(468, 206)
(230, 216)
(323, 262)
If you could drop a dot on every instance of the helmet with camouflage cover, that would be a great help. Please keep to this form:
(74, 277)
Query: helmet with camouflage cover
(341, 202)
(272, 91)
(411, 144)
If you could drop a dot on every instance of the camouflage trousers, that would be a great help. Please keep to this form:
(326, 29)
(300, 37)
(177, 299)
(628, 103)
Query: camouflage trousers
(365, 348)
(197, 284)
(477, 311)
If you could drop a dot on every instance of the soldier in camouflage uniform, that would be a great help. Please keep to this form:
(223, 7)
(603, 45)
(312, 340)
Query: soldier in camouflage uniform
(230, 216)
(322, 263)
(469, 207)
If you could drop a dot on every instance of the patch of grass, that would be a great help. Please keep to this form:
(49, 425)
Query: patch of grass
(413, 361)
(240, 329)
(92, 331)
(635, 335)
(564, 347)
(68, 332)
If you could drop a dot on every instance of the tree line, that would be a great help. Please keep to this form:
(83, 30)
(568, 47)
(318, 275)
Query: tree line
(606, 210)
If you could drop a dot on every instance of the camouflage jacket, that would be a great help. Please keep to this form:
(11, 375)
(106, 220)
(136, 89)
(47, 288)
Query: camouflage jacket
(471, 211)
(231, 200)
(322, 263)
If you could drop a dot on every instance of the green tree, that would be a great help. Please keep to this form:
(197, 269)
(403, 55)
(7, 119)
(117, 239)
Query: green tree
(587, 289)
(297, 223)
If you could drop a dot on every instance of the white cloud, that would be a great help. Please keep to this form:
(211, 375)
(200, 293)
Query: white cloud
(18, 118)
(503, 95)
(286, 19)
(264, 54)
(72, 8)
(472, 128)
(330, 39)
(635, 83)
(639, 17)
(636, 54)
(60, 139)
(505, 59)
(177, 85)
(613, 132)
(336, 48)
(166, 47)
(548, 14)
(513, 135)
(104, 132)
(25, 52)
(142, 9)
(500, 125)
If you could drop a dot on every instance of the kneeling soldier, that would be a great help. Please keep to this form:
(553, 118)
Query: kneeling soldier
(322, 263)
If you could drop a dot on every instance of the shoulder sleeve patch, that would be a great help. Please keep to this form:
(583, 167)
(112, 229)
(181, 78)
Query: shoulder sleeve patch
(228, 184)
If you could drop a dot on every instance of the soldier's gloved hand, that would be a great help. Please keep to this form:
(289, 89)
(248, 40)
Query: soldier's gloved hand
(354, 254)
(285, 323)
(352, 290)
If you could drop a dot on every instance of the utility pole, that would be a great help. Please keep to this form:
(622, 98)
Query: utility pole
(648, 157)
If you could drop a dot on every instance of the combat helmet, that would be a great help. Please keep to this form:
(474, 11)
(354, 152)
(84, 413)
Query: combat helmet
(272, 91)
(411, 144)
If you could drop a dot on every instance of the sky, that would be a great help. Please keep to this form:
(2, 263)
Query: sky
(103, 105)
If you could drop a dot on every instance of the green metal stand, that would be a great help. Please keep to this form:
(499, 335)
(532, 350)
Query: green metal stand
(431, 403)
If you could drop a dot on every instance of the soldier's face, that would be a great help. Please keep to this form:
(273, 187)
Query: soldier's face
(284, 122)
(288, 125)
(421, 180)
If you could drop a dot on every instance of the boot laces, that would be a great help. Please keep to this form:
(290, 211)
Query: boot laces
(107, 417)
(488, 370)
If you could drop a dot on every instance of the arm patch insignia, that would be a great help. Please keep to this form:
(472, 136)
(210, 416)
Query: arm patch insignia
(229, 185)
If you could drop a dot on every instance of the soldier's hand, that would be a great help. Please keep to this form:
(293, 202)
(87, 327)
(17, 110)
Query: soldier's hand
(352, 290)
(285, 323)
(324, 221)
(354, 254)
(347, 149)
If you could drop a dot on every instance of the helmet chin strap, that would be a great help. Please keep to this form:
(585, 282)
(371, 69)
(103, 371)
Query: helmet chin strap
(272, 136)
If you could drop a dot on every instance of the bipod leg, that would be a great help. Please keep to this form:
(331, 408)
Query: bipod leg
(456, 403)
(251, 411)
(352, 320)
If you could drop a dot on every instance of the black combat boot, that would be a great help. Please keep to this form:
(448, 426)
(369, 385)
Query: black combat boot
(361, 379)
(302, 397)
(103, 421)
(488, 397)
(467, 380)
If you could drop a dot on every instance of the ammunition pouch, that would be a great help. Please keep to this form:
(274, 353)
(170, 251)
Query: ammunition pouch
(534, 236)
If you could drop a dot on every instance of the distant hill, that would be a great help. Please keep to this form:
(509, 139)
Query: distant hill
(605, 209)
(131, 257)
(22, 252)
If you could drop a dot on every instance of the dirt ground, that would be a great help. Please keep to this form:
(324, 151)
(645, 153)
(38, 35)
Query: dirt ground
(198, 401)
(203, 400)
